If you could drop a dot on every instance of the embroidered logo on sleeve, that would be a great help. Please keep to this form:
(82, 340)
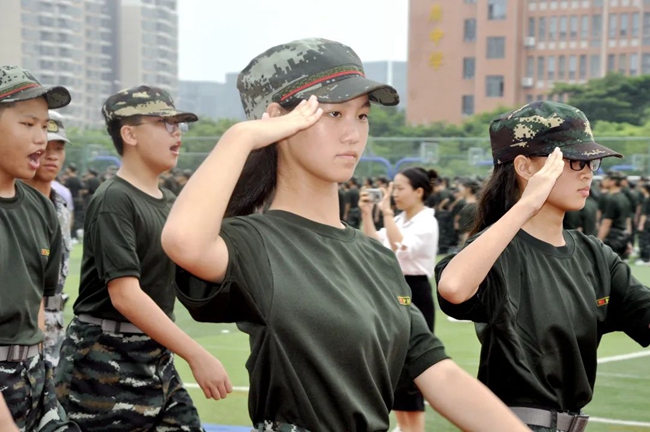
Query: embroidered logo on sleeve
(404, 300)
(603, 301)
(45, 252)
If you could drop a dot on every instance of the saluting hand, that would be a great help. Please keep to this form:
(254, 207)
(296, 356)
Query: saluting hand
(541, 184)
(269, 130)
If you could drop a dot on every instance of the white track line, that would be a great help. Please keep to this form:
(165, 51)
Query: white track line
(630, 356)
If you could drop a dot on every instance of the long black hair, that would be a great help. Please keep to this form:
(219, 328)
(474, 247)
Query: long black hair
(499, 194)
(421, 178)
(256, 185)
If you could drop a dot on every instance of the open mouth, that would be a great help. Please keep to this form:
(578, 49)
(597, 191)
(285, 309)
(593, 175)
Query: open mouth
(35, 159)
(175, 148)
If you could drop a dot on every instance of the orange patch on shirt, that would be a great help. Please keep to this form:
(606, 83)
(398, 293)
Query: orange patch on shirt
(404, 301)
(602, 302)
(45, 252)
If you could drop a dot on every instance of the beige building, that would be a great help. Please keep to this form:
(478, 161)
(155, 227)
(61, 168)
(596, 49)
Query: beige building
(93, 47)
(470, 56)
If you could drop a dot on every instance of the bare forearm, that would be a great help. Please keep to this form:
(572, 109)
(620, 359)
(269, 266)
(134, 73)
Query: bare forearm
(393, 233)
(465, 272)
(369, 228)
(6, 420)
(145, 314)
(603, 231)
(196, 216)
(465, 401)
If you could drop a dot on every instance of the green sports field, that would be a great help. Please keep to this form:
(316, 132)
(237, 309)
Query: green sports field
(622, 398)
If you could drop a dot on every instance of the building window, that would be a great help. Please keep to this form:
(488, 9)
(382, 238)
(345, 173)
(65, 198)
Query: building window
(634, 64)
(550, 68)
(594, 66)
(611, 63)
(598, 3)
(563, 27)
(561, 67)
(540, 98)
(552, 28)
(469, 66)
(622, 63)
(613, 20)
(497, 9)
(496, 47)
(530, 67)
(540, 68)
(573, 65)
(469, 34)
(596, 26)
(645, 64)
(625, 25)
(583, 67)
(541, 29)
(529, 98)
(584, 27)
(468, 105)
(531, 27)
(636, 23)
(573, 35)
(494, 86)
(646, 28)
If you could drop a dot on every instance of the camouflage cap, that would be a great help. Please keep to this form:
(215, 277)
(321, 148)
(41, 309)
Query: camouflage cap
(18, 84)
(296, 70)
(55, 129)
(539, 127)
(143, 101)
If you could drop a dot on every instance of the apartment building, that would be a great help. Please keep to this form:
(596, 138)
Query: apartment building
(93, 47)
(469, 56)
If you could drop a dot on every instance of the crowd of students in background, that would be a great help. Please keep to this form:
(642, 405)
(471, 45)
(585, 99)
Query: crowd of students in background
(616, 211)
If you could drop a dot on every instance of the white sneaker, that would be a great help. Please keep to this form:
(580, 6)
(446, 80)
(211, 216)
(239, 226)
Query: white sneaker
(450, 319)
(642, 263)
(397, 429)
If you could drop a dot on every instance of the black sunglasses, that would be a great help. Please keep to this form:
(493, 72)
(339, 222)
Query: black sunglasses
(579, 165)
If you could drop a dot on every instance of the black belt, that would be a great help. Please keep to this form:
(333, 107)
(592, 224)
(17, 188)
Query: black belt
(544, 418)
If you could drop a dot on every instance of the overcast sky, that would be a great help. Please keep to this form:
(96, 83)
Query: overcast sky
(219, 36)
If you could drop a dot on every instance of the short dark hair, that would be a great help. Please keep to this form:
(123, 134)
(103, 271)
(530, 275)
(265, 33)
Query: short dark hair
(114, 129)
(421, 178)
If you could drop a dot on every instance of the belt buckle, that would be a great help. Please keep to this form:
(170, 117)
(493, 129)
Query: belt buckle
(579, 423)
(15, 353)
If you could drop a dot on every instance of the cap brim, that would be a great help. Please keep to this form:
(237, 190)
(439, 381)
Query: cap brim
(181, 116)
(56, 97)
(591, 150)
(353, 87)
(56, 137)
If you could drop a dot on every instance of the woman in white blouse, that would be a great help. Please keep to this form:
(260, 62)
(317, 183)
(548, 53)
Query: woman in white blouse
(413, 236)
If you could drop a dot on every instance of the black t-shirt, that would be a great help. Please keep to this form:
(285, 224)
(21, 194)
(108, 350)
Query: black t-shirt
(331, 324)
(122, 238)
(467, 218)
(617, 209)
(632, 199)
(92, 184)
(75, 185)
(352, 198)
(589, 216)
(30, 257)
(542, 312)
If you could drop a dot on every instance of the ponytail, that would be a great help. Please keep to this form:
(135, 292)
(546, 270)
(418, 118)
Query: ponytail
(256, 185)
(499, 194)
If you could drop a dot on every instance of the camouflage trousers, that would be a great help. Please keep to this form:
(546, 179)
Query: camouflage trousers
(54, 334)
(269, 426)
(28, 389)
(114, 382)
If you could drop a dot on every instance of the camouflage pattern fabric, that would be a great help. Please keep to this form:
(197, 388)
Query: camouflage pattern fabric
(18, 84)
(115, 382)
(28, 389)
(54, 335)
(143, 100)
(539, 127)
(270, 426)
(296, 70)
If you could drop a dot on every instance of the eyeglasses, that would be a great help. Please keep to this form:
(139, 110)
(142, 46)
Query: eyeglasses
(577, 165)
(169, 125)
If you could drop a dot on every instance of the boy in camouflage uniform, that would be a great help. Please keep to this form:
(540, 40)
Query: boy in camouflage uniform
(51, 163)
(30, 252)
(116, 371)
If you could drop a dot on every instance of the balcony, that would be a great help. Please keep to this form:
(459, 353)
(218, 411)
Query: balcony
(529, 42)
(527, 82)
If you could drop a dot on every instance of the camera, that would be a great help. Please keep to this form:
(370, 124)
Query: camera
(375, 195)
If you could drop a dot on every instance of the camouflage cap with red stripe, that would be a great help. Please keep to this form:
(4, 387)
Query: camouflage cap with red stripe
(18, 84)
(296, 70)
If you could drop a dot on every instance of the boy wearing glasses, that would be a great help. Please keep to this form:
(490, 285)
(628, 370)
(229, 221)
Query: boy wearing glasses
(116, 371)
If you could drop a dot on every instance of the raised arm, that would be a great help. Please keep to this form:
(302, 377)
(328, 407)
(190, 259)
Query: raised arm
(191, 234)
